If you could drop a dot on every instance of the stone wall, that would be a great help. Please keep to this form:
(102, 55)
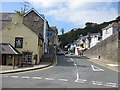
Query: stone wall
(36, 26)
(107, 49)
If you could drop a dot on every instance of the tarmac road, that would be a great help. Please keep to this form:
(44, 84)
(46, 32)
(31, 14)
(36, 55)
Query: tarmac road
(70, 72)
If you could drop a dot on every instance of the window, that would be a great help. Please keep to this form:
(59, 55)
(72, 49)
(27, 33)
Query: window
(18, 42)
(107, 31)
(27, 57)
(36, 19)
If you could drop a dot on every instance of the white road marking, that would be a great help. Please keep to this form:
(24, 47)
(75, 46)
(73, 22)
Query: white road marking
(71, 59)
(63, 79)
(77, 77)
(111, 84)
(36, 77)
(96, 68)
(68, 61)
(97, 83)
(25, 77)
(75, 64)
(49, 79)
(81, 81)
(113, 65)
(14, 76)
(5, 76)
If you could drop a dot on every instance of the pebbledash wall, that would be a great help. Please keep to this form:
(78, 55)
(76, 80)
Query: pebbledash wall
(109, 49)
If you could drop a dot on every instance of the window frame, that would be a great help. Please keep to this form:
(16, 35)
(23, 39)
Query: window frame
(21, 41)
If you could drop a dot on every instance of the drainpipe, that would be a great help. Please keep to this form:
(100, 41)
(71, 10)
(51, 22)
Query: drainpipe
(13, 61)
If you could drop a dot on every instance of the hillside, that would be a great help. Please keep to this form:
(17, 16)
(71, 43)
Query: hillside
(73, 35)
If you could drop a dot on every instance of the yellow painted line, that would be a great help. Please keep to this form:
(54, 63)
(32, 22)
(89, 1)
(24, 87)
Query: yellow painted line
(101, 65)
(34, 70)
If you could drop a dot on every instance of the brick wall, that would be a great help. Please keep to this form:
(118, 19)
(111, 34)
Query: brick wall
(107, 49)
(36, 26)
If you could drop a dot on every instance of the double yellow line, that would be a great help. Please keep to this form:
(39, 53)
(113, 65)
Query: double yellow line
(54, 64)
(102, 65)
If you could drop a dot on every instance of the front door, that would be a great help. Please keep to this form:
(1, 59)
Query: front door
(3, 59)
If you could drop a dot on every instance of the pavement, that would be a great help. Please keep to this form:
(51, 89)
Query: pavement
(68, 72)
(9, 69)
(106, 63)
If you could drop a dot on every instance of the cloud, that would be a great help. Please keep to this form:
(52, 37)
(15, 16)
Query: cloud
(79, 15)
(77, 12)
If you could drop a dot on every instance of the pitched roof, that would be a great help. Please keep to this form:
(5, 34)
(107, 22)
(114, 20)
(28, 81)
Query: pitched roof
(40, 15)
(39, 35)
(6, 16)
(110, 25)
(54, 28)
(6, 48)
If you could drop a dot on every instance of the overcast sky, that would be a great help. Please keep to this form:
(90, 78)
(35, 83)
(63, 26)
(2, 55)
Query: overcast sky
(69, 14)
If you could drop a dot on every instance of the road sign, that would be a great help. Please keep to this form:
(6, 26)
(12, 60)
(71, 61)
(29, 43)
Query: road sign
(49, 34)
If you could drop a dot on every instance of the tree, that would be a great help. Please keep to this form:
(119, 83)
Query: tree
(62, 30)
(24, 8)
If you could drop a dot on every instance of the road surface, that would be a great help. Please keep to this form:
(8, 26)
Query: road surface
(70, 72)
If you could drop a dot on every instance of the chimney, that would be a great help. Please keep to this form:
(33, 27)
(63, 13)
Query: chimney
(16, 18)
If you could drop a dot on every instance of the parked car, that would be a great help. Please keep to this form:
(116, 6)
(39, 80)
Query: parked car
(66, 52)
(71, 53)
(61, 52)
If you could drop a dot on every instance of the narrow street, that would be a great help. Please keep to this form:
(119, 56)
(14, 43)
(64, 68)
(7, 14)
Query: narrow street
(70, 72)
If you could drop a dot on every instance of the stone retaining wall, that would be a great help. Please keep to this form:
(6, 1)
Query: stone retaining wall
(109, 49)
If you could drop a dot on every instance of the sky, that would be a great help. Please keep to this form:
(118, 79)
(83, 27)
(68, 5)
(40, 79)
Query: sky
(68, 14)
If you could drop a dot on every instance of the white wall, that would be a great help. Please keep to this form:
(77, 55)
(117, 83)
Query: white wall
(94, 41)
(107, 32)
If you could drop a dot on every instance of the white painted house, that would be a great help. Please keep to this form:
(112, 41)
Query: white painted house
(109, 30)
(88, 41)
(95, 39)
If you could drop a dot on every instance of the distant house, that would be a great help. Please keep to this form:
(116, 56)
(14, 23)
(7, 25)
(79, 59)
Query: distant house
(80, 44)
(109, 30)
(6, 18)
(95, 39)
(86, 42)
(56, 36)
(30, 44)
(51, 37)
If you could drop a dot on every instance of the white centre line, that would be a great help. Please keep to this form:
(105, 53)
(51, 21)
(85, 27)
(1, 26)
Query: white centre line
(77, 77)
(25, 77)
(36, 77)
(14, 76)
(49, 79)
(63, 80)
(75, 64)
(68, 60)
(71, 59)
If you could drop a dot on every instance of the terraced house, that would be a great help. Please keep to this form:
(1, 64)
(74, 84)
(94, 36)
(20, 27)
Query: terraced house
(26, 34)
(38, 24)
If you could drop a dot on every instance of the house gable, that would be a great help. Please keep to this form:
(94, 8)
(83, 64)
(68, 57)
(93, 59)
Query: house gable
(34, 21)
(13, 30)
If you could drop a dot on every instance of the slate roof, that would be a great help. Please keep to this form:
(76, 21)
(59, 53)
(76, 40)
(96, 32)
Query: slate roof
(6, 48)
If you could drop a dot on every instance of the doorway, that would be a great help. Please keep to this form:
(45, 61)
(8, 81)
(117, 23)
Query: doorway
(3, 59)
